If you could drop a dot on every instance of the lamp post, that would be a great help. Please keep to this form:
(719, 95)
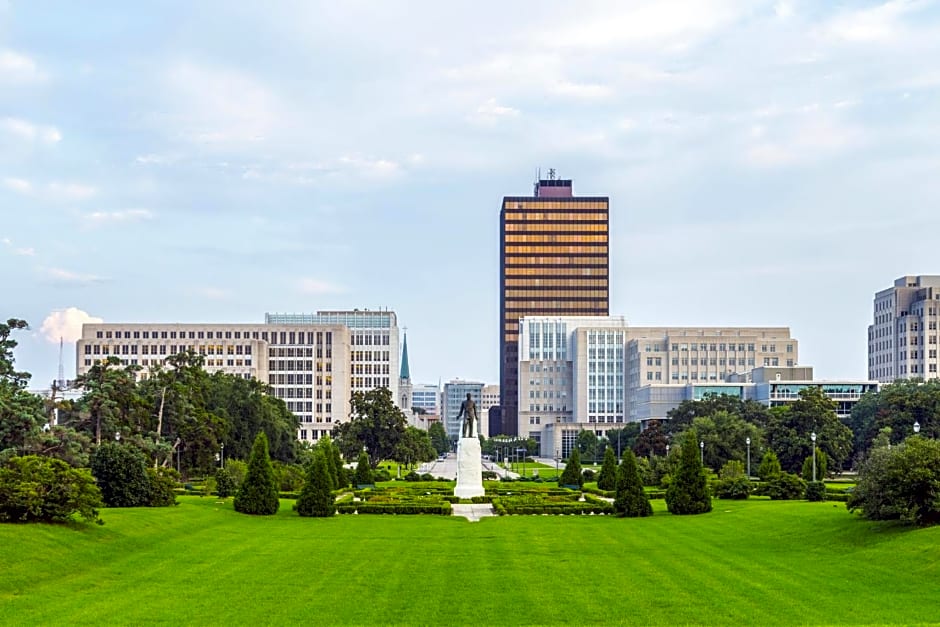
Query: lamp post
(557, 458)
(916, 428)
(222, 455)
(748, 442)
(701, 447)
(812, 437)
(667, 450)
(117, 436)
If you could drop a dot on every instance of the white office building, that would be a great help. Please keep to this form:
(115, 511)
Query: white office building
(902, 339)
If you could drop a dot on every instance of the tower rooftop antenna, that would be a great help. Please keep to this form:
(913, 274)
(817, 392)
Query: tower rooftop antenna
(61, 364)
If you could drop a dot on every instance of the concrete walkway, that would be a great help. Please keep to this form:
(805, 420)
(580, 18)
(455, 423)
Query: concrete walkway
(473, 512)
(447, 468)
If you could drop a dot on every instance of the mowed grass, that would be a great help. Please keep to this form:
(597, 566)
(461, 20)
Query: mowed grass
(755, 562)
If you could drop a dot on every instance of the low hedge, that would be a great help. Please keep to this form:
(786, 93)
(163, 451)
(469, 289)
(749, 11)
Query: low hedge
(504, 507)
(442, 508)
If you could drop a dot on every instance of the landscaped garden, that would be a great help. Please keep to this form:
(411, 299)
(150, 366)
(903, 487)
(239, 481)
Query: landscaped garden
(751, 562)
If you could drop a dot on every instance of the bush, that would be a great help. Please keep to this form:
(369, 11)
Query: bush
(738, 488)
(258, 493)
(815, 491)
(121, 473)
(363, 474)
(822, 465)
(224, 483)
(427, 477)
(769, 466)
(630, 500)
(491, 475)
(44, 489)
(237, 469)
(571, 475)
(316, 498)
(163, 482)
(785, 486)
(688, 490)
(412, 476)
(290, 477)
(901, 483)
(607, 477)
(587, 475)
(381, 474)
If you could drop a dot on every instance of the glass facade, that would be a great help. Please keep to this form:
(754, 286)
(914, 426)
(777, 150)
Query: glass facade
(554, 261)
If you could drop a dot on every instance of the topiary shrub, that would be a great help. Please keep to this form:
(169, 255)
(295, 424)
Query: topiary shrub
(316, 498)
(363, 474)
(44, 489)
(427, 477)
(258, 493)
(822, 465)
(163, 482)
(412, 476)
(381, 474)
(734, 489)
(784, 486)
(571, 475)
(587, 475)
(224, 483)
(121, 473)
(630, 499)
(607, 477)
(688, 490)
(815, 491)
(769, 466)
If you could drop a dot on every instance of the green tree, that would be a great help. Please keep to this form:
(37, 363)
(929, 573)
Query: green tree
(587, 444)
(725, 436)
(258, 493)
(325, 446)
(822, 465)
(682, 416)
(789, 428)
(414, 447)
(22, 414)
(163, 483)
(901, 483)
(651, 441)
(363, 474)
(439, 439)
(688, 490)
(375, 423)
(769, 466)
(896, 406)
(630, 499)
(607, 478)
(110, 399)
(225, 485)
(733, 484)
(316, 498)
(121, 473)
(34, 488)
(571, 475)
(623, 438)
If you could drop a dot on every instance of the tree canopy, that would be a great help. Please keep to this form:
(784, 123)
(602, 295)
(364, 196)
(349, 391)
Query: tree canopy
(374, 423)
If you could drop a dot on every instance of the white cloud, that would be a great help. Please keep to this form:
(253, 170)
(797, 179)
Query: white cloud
(66, 324)
(492, 108)
(806, 140)
(157, 159)
(29, 131)
(59, 275)
(126, 215)
(71, 191)
(25, 252)
(18, 67)
(583, 91)
(17, 185)
(881, 23)
(316, 287)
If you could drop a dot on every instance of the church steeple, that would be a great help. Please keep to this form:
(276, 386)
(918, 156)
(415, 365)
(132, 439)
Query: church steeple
(405, 372)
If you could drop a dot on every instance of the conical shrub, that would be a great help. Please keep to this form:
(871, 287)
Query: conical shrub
(688, 491)
(316, 498)
(607, 479)
(630, 500)
(258, 493)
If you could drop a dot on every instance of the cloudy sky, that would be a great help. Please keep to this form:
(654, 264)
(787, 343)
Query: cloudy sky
(768, 163)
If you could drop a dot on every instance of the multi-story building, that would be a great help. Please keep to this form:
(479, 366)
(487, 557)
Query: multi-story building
(455, 392)
(404, 379)
(489, 398)
(426, 396)
(902, 339)
(586, 372)
(554, 261)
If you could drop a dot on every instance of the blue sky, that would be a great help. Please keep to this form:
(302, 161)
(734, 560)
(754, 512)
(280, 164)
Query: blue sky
(768, 163)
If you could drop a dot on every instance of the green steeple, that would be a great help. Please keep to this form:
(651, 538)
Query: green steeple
(405, 372)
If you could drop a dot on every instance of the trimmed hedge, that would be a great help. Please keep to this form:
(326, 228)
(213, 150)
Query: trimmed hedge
(442, 508)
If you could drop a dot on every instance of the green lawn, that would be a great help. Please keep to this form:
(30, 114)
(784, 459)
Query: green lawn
(753, 562)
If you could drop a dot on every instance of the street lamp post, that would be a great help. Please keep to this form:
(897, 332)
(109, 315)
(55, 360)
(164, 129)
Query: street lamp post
(222, 455)
(557, 458)
(701, 446)
(748, 442)
(813, 438)
(667, 450)
(916, 428)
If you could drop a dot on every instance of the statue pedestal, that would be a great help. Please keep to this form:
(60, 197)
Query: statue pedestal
(469, 469)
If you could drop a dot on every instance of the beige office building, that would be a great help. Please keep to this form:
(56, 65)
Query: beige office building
(902, 339)
(585, 372)
(311, 361)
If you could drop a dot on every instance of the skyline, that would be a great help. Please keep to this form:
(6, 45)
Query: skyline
(767, 163)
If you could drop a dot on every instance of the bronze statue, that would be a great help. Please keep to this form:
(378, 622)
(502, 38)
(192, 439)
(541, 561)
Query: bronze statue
(468, 409)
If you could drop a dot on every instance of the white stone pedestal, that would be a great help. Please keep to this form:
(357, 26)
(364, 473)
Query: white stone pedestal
(469, 469)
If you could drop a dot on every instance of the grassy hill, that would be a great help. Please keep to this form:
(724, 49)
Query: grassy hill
(753, 562)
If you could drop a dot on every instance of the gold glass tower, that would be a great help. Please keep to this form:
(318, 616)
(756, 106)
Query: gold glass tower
(554, 261)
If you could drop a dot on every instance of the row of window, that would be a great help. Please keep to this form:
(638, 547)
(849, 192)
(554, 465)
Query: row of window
(369, 339)
(163, 349)
(275, 365)
(300, 379)
(286, 337)
(300, 352)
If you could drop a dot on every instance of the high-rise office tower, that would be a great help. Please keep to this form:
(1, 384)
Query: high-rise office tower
(554, 261)
(903, 336)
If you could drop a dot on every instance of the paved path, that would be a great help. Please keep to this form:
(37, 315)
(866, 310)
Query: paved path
(448, 468)
(473, 512)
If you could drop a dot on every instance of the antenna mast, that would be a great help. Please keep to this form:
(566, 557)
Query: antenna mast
(61, 365)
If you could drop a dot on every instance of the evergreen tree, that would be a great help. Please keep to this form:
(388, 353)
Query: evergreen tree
(769, 466)
(316, 498)
(631, 500)
(571, 475)
(258, 492)
(688, 491)
(607, 479)
(121, 473)
(363, 470)
(342, 476)
(822, 466)
(325, 445)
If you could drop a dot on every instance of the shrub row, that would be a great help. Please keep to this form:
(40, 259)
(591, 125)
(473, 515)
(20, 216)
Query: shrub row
(442, 508)
(503, 507)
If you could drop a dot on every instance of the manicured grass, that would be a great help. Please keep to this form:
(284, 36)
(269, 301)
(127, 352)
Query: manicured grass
(752, 562)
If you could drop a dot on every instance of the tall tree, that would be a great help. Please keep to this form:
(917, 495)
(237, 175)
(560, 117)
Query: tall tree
(688, 491)
(110, 402)
(258, 493)
(414, 447)
(587, 444)
(374, 423)
(607, 478)
(571, 475)
(316, 497)
(725, 436)
(790, 427)
(439, 439)
(622, 438)
(651, 441)
(682, 416)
